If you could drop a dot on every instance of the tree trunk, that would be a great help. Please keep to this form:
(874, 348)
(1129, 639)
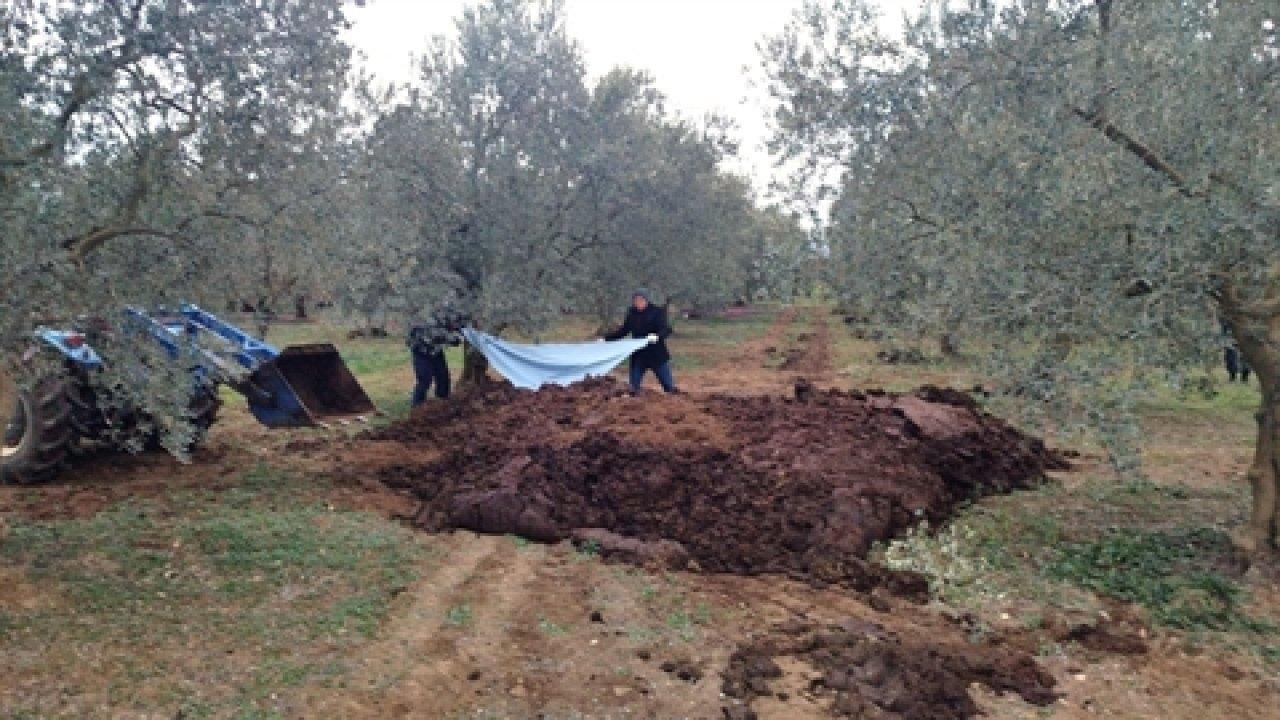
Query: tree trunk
(1257, 334)
(475, 367)
(1264, 473)
(948, 346)
(300, 307)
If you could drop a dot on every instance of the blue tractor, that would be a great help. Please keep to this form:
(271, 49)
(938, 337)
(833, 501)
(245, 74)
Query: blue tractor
(59, 416)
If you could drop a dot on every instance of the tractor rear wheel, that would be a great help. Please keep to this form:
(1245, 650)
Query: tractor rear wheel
(38, 432)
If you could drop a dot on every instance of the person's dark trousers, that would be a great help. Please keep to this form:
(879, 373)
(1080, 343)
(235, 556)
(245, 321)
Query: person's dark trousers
(663, 372)
(430, 370)
(1236, 366)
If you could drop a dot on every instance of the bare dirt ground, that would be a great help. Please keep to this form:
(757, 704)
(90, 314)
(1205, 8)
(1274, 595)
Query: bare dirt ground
(496, 626)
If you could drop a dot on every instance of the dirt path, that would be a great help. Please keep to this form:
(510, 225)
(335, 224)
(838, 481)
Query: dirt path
(811, 359)
(772, 362)
(500, 628)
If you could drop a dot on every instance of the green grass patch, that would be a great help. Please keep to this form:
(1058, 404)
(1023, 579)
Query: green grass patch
(270, 578)
(587, 550)
(458, 615)
(685, 622)
(1165, 572)
(1157, 546)
(553, 629)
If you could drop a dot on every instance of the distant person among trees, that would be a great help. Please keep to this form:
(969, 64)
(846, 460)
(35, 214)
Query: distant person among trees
(646, 321)
(1235, 362)
(428, 341)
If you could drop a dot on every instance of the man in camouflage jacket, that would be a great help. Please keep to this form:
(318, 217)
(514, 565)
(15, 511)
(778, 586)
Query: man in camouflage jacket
(427, 342)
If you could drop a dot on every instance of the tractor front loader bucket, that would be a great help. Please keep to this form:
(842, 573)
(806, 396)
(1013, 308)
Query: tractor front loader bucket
(305, 386)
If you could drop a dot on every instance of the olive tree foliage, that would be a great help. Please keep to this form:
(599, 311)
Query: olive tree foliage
(786, 261)
(658, 212)
(1083, 189)
(141, 143)
(505, 184)
(400, 216)
(282, 241)
(510, 96)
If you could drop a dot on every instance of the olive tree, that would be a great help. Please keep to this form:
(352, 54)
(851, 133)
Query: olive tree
(509, 94)
(401, 214)
(521, 192)
(132, 142)
(1086, 189)
(659, 211)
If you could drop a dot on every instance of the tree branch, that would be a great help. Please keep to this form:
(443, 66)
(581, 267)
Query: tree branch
(82, 246)
(915, 213)
(1149, 157)
(1228, 298)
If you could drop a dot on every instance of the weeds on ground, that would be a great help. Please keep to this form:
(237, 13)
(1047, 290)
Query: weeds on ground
(548, 627)
(1165, 572)
(1024, 548)
(686, 623)
(271, 580)
(587, 550)
(458, 615)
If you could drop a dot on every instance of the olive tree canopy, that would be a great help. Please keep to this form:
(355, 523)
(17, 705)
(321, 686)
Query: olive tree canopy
(1088, 190)
(140, 139)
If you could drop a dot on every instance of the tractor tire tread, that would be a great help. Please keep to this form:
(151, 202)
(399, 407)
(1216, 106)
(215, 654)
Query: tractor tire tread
(52, 411)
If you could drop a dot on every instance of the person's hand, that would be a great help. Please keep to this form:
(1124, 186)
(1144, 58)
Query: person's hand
(653, 338)
(599, 339)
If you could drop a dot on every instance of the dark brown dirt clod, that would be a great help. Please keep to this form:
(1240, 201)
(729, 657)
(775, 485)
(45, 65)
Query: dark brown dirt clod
(887, 675)
(683, 669)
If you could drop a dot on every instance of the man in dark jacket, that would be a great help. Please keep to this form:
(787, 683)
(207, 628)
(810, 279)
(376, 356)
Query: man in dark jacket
(427, 342)
(1233, 358)
(647, 321)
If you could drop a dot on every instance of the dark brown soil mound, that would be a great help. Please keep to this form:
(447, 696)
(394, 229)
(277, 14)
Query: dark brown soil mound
(801, 487)
(864, 670)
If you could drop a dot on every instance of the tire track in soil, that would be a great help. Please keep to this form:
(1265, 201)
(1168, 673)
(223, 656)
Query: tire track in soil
(529, 646)
(416, 650)
(812, 360)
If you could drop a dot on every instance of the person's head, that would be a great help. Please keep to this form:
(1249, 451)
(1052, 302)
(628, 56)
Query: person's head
(640, 299)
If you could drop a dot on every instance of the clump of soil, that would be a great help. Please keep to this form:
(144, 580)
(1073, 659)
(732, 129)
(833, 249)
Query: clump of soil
(745, 485)
(863, 670)
(1121, 630)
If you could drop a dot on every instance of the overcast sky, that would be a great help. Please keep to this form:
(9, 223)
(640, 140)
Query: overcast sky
(695, 49)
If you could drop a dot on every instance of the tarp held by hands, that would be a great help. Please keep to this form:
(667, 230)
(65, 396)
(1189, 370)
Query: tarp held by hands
(532, 366)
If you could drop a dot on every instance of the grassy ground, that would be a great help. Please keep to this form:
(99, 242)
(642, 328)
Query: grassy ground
(209, 601)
